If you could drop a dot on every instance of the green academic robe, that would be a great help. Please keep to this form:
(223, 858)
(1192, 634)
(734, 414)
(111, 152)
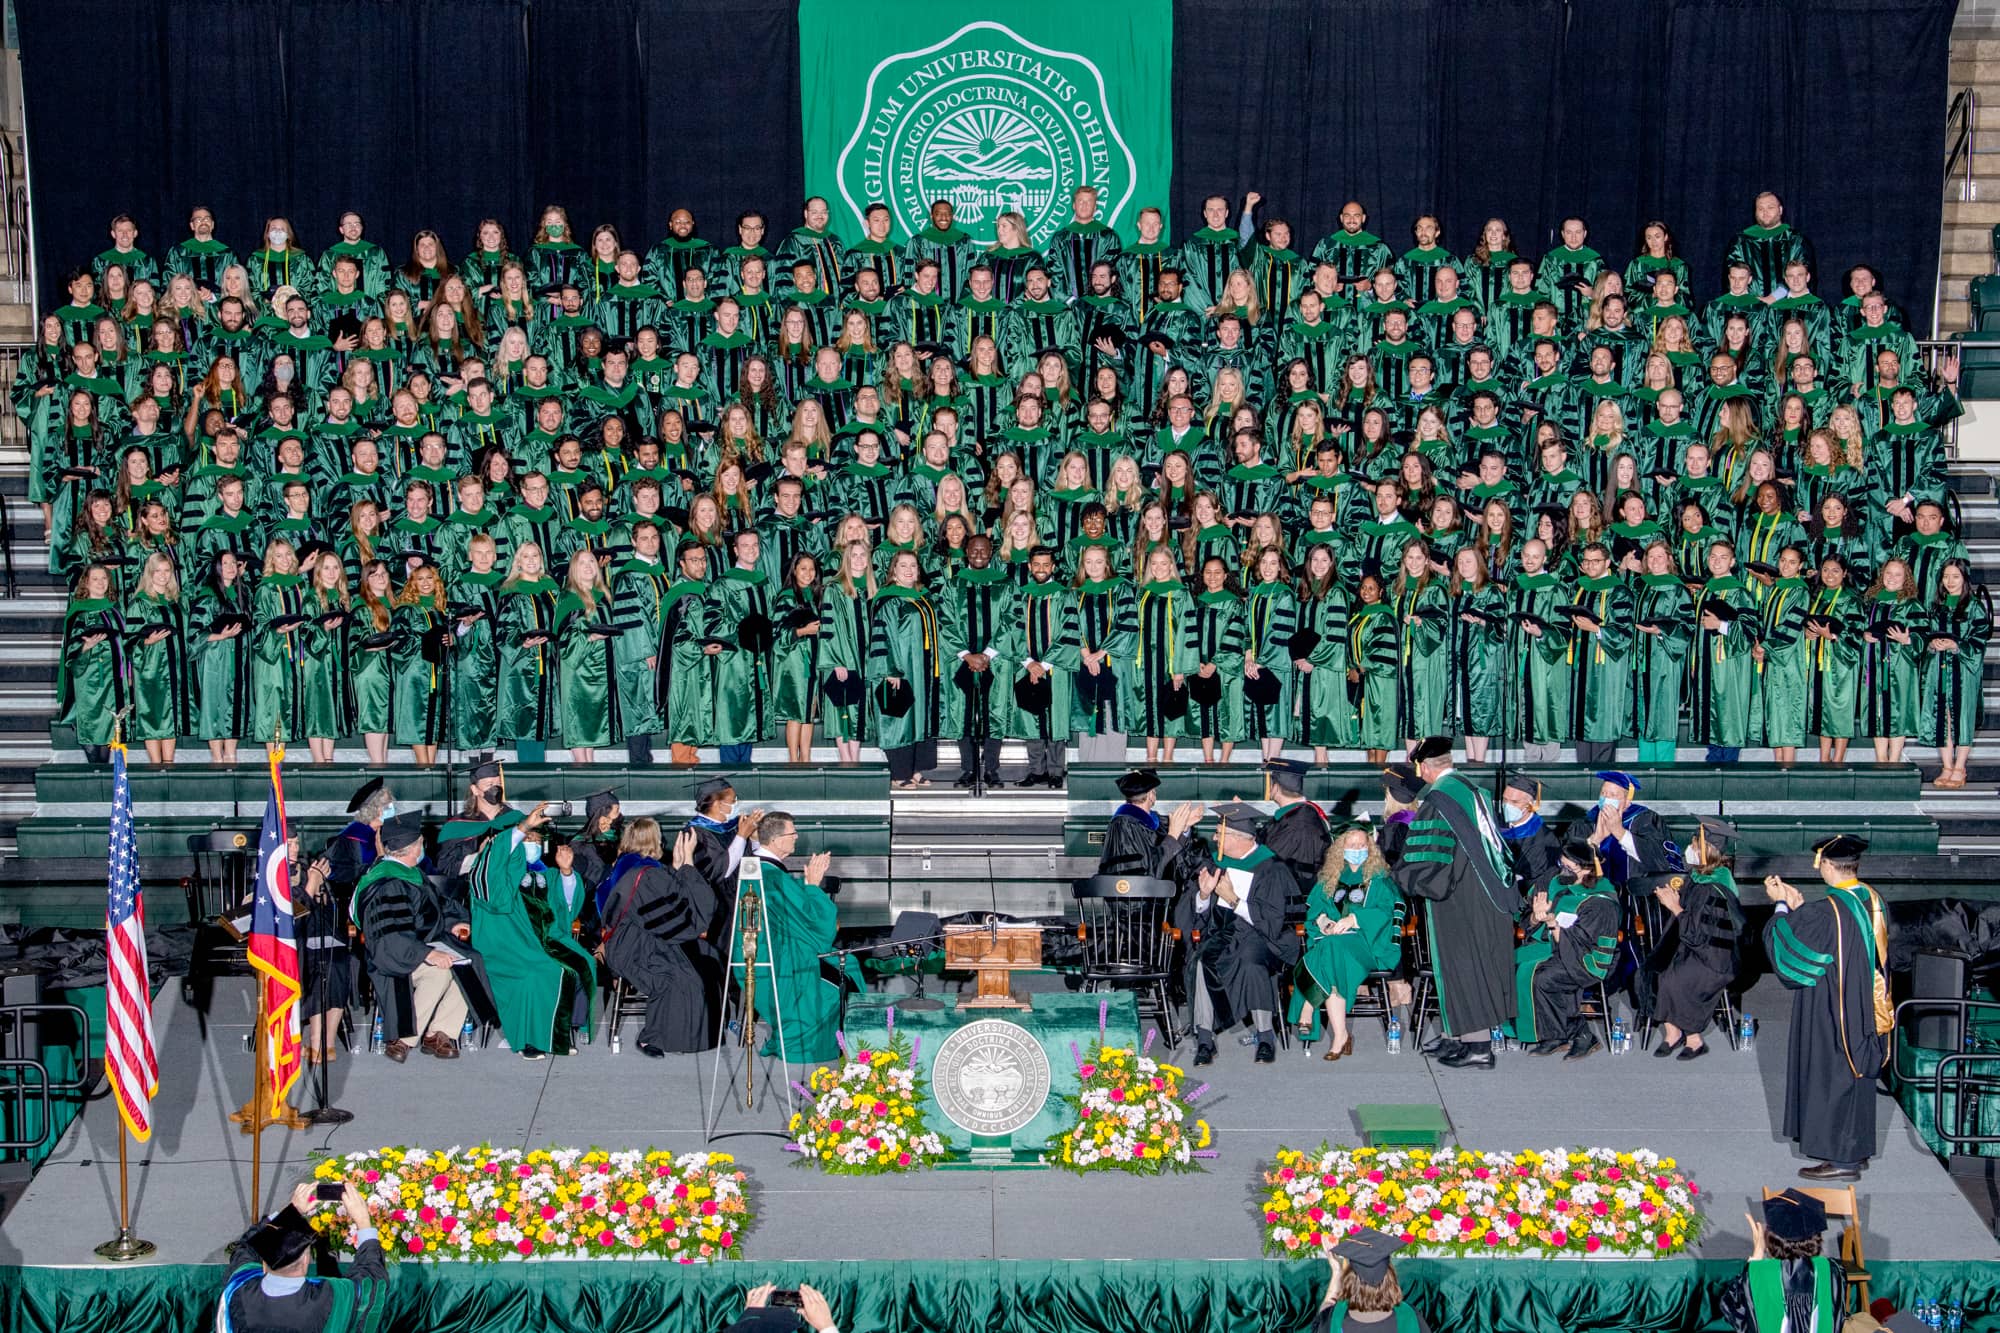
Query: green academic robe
(421, 676)
(1593, 675)
(277, 667)
(587, 695)
(1659, 661)
(1041, 613)
(534, 966)
(326, 703)
(844, 630)
(1784, 673)
(475, 686)
(800, 920)
(163, 688)
(1214, 637)
(1833, 666)
(1949, 681)
(1722, 676)
(743, 677)
(1338, 964)
(1327, 714)
(906, 642)
(221, 666)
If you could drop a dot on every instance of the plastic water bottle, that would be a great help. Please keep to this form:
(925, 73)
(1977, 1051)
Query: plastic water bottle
(1621, 1037)
(375, 1037)
(1954, 1317)
(1395, 1036)
(465, 1034)
(1746, 1033)
(1499, 1039)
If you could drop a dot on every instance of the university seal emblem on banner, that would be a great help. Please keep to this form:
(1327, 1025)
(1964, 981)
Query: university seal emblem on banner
(990, 1077)
(993, 123)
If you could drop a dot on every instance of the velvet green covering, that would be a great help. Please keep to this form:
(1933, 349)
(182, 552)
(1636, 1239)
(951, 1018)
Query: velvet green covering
(1022, 1296)
(1057, 1020)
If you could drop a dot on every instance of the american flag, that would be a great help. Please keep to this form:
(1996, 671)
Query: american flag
(130, 1061)
(274, 946)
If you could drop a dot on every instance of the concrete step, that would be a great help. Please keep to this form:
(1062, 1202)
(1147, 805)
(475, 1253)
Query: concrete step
(1970, 212)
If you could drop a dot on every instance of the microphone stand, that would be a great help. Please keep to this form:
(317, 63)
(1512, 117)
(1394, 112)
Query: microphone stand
(323, 1111)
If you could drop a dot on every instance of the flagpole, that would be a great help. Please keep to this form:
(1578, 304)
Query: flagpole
(124, 1247)
(263, 1108)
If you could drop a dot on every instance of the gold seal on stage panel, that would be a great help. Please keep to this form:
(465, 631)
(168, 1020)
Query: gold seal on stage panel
(991, 1077)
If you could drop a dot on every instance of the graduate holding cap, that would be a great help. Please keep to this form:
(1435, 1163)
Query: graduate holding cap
(269, 1290)
(1237, 907)
(1788, 1286)
(1829, 953)
(1363, 1292)
(1136, 841)
(419, 980)
(1298, 830)
(1704, 904)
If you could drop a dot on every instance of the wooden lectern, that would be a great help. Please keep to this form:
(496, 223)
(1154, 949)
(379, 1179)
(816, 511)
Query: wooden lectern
(992, 951)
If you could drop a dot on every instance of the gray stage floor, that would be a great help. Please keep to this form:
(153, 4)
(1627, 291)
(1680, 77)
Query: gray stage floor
(191, 1183)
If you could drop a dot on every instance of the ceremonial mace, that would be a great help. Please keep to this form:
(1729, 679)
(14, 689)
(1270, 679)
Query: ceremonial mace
(752, 908)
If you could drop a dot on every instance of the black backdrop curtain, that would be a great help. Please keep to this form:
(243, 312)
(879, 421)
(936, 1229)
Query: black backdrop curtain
(440, 112)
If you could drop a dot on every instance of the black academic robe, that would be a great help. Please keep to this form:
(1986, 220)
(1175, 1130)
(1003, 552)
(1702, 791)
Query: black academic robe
(1238, 961)
(322, 1305)
(653, 924)
(400, 915)
(1136, 843)
(1454, 858)
(1701, 952)
(1823, 957)
(1533, 851)
(1299, 837)
(712, 861)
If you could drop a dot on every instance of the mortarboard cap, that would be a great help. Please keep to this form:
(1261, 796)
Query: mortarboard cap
(1431, 747)
(1840, 847)
(1717, 830)
(489, 768)
(599, 802)
(894, 698)
(1525, 783)
(1368, 1253)
(363, 792)
(1403, 782)
(402, 831)
(1137, 783)
(282, 1239)
(1618, 778)
(1289, 774)
(712, 787)
(1794, 1215)
(1240, 815)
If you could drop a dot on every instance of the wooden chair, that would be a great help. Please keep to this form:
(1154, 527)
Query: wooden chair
(1844, 1205)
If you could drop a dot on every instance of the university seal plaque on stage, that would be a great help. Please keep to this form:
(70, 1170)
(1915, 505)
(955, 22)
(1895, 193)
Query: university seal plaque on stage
(991, 1077)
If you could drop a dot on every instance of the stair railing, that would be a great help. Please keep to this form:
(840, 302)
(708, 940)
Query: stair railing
(1958, 132)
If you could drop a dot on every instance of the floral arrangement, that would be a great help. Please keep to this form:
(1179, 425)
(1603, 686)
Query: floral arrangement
(1132, 1115)
(486, 1203)
(1457, 1202)
(867, 1116)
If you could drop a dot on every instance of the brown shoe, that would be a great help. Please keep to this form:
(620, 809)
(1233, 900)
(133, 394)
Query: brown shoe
(443, 1047)
(398, 1051)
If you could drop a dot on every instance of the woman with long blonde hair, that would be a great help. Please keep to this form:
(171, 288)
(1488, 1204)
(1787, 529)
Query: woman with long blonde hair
(584, 637)
(420, 690)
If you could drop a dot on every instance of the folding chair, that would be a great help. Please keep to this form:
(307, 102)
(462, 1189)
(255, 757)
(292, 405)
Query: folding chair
(1843, 1204)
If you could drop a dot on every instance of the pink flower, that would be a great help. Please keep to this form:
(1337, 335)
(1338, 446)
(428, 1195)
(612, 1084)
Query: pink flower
(1560, 1205)
(1316, 1214)
(1480, 1172)
(1592, 1244)
(447, 1225)
(1467, 1226)
(649, 1203)
(1492, 1238)
(1601, 1208)
(525, 1246)
(548, 1212)
(835, 1126)
(1159, 1085)
(427, 1214)
(1614, 1174)
(902, 1159)
(864, 1057)
(1523, 1171)
(1343, 1212)
(1660, 1182)
(1647, 1208)
(1664, 1241)
(1329, 1181)
(416, 1245)
(399, 1215)
(587, 1202)
(728, 1239)
(881, 1108)
(708, 1208)
(1693, 1189)
(619, 1207)
(440, 1181)
(874, 1143)
(371, 1176)
(1559, 1239)
(1514, 1220)
(1381, 1208)
(1430, 1173)
(1375, 1177)
(604, 1168)
(680, 1191)
(524, 1171)
(1286, 1174)
(491, 1168)
(1270, 1215)
(606, 1238)
(660, 1171)
(502, 1215)
(1138, 1151)
(1580, 1175)
(1437, 1214)
(1118, 1094)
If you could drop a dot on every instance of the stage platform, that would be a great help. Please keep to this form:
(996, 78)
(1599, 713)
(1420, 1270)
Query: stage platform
(191, 1184)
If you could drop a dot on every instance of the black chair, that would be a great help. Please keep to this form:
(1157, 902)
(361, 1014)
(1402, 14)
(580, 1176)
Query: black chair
(1423, 974)
(627, 1001)
(1126, 940)
(1371, 997)
(221, 886)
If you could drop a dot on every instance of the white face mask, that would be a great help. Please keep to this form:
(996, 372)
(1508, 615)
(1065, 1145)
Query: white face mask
(388, 812)
(534, 851)
(1354, 856)
(1608, 802)
(1512, 813)
(277, 237)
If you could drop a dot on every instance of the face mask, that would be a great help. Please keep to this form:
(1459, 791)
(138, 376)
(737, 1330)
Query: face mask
(388, 812)
(281, 373)
(1512, 813)
(1607, 802)
(1354, 856)
(555, 229)
(276, 236)
(534, 851)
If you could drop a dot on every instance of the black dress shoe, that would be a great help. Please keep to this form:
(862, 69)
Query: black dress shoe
(1204, 1055)
(1667, 1048)
(1470, 1057)
(964, 780)
(1694, 1053)
(1586, 1042)
(1267, 1052)
(1438, 1045)
(647, 1048)
(1828, 1171)
(1549, 1047)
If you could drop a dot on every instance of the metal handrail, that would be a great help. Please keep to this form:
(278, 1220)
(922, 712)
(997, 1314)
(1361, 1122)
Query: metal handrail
(13, 1018)
(18, 1090)
(1958, 128)
(1968, 1085)
(15, 231)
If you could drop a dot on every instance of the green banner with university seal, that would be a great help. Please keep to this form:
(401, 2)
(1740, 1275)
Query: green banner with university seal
(1012, 108)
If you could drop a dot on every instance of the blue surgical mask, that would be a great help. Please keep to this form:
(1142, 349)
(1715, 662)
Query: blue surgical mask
(388, 812)
(534, 851)
(1608, 802)
(1354, 856)
(1512, 813)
